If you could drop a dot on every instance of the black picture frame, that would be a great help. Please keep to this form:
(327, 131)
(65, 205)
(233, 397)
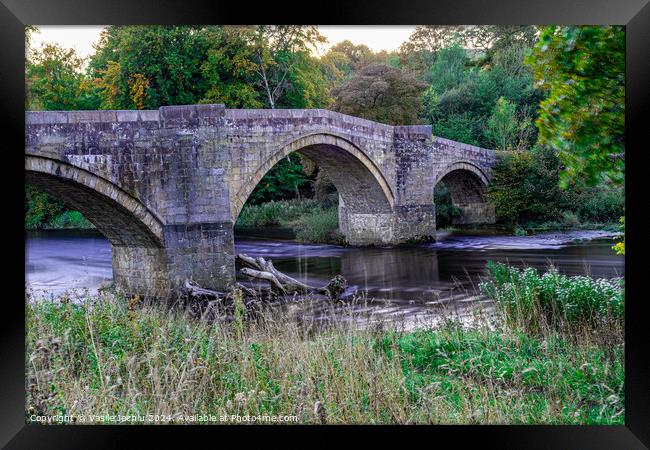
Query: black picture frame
(15, 14)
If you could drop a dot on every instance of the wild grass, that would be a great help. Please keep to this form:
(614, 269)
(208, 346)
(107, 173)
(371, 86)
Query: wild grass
(534, 302)
(109, 356)
(275, 213)
(310, 220)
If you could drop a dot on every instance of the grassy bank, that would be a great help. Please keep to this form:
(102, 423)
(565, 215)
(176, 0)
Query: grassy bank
(109, 356)
(310, 220)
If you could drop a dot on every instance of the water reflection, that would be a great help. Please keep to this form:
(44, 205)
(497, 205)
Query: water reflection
(404, 281)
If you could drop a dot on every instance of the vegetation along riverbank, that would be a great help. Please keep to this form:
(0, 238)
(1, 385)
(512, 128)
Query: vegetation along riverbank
(552, 353)
(504, 96)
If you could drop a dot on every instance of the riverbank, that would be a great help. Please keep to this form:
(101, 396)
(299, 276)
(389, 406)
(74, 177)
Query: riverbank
(113, 356)
(310, 220)
(317, 222)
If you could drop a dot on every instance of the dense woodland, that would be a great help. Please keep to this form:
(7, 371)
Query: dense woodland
(551, 97)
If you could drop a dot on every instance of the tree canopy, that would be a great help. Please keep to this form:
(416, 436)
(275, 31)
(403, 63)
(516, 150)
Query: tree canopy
(582, 71)
(382, 93)
(553, 96)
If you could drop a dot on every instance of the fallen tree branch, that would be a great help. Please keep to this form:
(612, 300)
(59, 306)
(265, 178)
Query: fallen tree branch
(280, 283)
(260, 268)
(197, 291)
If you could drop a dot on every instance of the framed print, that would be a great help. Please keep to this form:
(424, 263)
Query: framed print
(398, 215)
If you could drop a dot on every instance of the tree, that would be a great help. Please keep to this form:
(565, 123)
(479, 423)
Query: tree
(277, 50)
(150, 66)
(419, 51)
(353, 57)
(229, 71)
(582, 69)
(55, 80)
(502, 126)
(382, 93)
(284, 180)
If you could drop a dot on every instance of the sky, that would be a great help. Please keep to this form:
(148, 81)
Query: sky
(383, 37)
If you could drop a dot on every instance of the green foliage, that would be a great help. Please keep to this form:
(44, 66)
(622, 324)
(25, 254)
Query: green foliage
(40, 208)
(506, 190)
(532, 301)
(285, 180)
(169, 58)
(275, 212)
(319, 225)
(310, 220)
(502, 125)
(381, 93)
(69, 219)
(536, 373)
(43, 211)
(56, 81)
(463, 100)
(229, 71)
(582, 69)
(619, 247)
(525, 187)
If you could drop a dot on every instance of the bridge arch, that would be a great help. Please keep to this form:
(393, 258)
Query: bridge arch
(123, 219)
(467, 184)
(356, 177)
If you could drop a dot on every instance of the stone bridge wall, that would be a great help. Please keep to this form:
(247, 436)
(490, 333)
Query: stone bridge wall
(167, 186)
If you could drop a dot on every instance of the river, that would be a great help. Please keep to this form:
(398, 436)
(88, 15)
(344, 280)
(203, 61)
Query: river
(388, 282)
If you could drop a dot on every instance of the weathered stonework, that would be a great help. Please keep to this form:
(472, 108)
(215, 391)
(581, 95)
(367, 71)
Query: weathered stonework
(166, 186)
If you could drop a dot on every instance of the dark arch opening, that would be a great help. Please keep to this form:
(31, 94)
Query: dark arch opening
(461, 198)
(118, 216)
(359, 182)
(357, 188)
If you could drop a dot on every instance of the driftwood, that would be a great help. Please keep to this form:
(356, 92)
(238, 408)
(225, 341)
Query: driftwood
(281, 284)
(196, 291)
(260, 268)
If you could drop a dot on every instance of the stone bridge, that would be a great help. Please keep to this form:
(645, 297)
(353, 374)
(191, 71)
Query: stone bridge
(166, 186)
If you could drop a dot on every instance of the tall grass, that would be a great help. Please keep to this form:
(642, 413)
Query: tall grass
(532, 301)
(310, 220)
(275, 212)
(111, 356)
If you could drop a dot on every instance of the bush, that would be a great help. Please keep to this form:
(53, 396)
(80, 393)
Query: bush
(446, 211)
(601, 204)
(40, 208)
(525, 188)
(531, 301)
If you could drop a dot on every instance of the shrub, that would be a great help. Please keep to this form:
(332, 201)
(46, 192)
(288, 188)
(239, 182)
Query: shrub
(446, 211)
(601, 204)
(525, 188)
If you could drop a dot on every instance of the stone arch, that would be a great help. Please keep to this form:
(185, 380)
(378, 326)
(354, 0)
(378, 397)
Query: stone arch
(467, 184)
(123, 219)
(357, 178)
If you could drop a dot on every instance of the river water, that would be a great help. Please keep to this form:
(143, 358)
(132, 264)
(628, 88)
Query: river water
(399, 282)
